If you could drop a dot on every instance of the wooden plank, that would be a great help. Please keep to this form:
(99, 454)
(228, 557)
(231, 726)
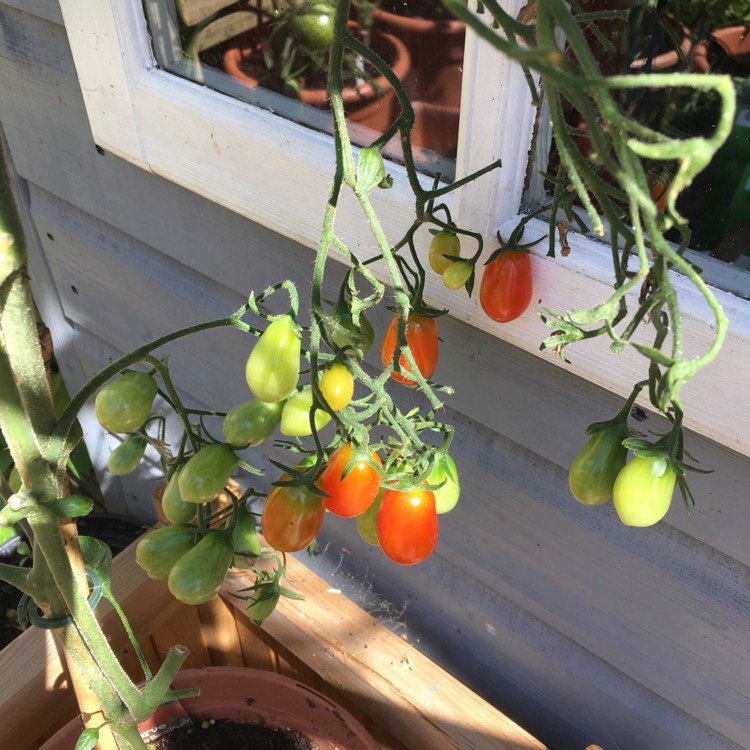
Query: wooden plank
(219, 631)
(353, 652)
(49, 10)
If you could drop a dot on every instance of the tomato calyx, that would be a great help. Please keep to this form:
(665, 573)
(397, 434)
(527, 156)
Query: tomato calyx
(512, 244)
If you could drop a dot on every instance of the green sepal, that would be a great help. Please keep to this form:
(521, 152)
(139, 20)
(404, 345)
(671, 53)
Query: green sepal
(370, 170)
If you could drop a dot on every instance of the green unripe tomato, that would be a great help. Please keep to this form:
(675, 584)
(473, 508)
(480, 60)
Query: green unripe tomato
(366, 521)
(295, 416)
(205, 475)
(446, 496)
(313, 26)
(272, 369)
(442, 244)
(124, 404)
(593, 472)
(261, 603)
(125, 458)
(457, 274)
(245, 539)
(175, 509)
(197, 576)
(643, 490)
(159, 550)
(360, 338)
(251, 422)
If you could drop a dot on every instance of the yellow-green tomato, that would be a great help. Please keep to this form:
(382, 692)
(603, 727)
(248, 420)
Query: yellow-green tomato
(205, 475)
(442, 244)
(643, 490)
(175, 509)
(159, 550)
(593, 472)
(446, 496)
(337, 386)
(124, 404)
(295, 416)
(272, 369)
(457, 274)
(251, 422)
(366, 521)
(197, 576)
(125, 458)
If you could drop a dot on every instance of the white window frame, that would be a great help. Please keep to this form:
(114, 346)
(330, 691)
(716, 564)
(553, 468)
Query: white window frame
(243, 157)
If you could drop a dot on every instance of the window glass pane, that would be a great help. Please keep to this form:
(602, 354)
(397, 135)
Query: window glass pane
(273, 53)
(687, 36)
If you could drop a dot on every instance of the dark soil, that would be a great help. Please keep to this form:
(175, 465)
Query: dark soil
(223, 734)
(9, 628)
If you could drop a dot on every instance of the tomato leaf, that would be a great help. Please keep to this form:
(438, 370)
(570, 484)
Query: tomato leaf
(87, 739)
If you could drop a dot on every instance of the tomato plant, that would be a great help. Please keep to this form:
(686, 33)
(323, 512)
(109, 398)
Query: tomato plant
(197, 576)
(292, 517)
(251, 422)
(159, 550)
(205, 475)
(446, 496)
(352, 494)
(407, 525)
(422, 338)
(124, 404)
(295, 416)
(125, 458)
(313, 26)
(442, 244)
(643, 490)
(506, 288)
(175, 509)
(593, 472)
(337, 386)
(272, 369)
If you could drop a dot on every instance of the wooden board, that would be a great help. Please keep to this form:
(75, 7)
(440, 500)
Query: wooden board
(326, 641)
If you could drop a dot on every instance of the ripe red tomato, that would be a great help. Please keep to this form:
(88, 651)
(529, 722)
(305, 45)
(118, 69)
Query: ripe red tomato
(353, 494)
(422, 338)
(407, 525)
(506, 288)
(292, 517)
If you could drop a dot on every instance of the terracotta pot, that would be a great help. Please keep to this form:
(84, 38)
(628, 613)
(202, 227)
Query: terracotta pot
(435, 128)
(371, 103)
(252, 695)
(437, 55)
(733, 41)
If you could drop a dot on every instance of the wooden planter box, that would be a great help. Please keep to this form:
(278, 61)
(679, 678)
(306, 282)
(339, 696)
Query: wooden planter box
(405, 700)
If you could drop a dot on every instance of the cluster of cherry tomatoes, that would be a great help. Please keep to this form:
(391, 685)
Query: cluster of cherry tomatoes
(196, 550)
(506, 288)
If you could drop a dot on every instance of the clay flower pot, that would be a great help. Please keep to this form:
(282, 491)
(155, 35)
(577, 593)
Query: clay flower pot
(371, 103)
(252, 695)
(437, 55)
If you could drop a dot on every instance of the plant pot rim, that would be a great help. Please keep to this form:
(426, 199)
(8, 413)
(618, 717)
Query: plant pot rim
(249, 42)
(416, 24)
(251, 695)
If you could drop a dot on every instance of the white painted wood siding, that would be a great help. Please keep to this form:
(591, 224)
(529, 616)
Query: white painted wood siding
(580, 629)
